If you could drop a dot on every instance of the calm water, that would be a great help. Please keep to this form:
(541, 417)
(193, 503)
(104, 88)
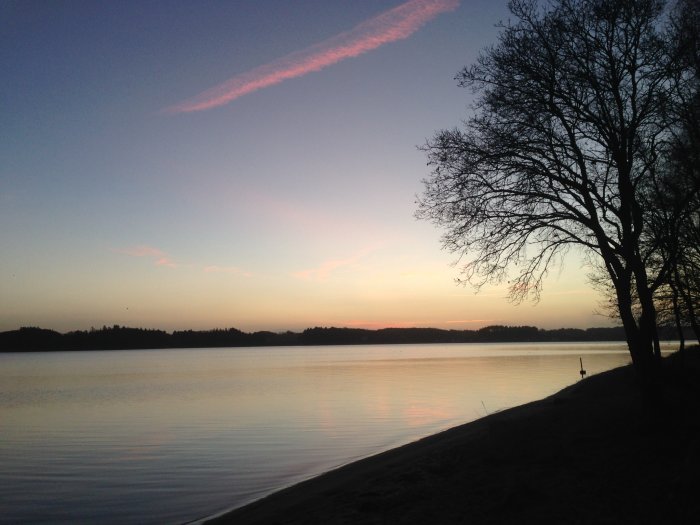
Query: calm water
(168, 436)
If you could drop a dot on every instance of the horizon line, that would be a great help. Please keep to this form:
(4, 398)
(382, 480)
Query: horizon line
(327, 327)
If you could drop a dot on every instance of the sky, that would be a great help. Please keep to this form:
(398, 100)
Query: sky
(250, 164)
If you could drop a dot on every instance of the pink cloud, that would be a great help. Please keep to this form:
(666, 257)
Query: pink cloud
(313, 220)
(165, 261)
(358, 323)
(392, 25)
(159, 257)
(470, 321)
(141, 251)
(376, 325)
(324, 271)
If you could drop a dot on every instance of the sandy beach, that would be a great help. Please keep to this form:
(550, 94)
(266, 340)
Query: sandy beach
(596, 452)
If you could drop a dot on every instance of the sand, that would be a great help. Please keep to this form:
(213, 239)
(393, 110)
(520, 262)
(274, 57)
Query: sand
(596, 452)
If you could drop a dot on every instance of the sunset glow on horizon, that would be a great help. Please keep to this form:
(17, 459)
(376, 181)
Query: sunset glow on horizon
(291, 208)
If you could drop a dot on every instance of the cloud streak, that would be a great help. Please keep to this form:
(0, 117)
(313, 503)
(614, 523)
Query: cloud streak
(323, 272)
(159, 257)
(232, 270)
(392, 25)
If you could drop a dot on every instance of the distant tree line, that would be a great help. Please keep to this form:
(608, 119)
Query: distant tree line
(31, 339)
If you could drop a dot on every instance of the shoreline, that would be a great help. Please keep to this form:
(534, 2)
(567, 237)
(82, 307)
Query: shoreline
(34, 339)
(596, 446)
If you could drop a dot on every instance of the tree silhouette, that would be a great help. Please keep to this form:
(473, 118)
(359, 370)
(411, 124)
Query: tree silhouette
(571, 126)
(681, 193)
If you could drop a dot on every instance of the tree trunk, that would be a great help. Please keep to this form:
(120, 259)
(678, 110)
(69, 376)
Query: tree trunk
(647, 319)
(687, 299)
(678, 318)
(640, 338)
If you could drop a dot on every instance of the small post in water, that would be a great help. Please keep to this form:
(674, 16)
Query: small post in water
(582, 372)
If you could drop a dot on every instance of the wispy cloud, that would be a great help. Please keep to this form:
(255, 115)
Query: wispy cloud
(322, 272)
(233, 270)
(159, 257)
(326, 268)
(140, 251)
(392, 25)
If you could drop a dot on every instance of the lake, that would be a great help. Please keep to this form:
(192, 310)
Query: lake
(169, 436)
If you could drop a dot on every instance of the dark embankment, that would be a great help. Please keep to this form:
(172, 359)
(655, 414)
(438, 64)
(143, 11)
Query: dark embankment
(597, 452)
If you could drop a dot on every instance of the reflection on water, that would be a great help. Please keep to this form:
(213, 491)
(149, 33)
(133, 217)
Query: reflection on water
(159, 436)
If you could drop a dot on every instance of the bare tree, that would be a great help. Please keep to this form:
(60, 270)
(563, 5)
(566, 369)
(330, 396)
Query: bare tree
(572, 119)
(674, 211)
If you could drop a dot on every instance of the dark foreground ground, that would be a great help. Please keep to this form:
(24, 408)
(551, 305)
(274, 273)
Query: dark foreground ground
(596, 452)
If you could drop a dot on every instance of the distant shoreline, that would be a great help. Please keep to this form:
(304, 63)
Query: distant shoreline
(33, 339)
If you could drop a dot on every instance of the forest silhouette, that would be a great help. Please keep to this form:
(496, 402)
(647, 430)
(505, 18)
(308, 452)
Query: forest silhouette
(29, 339)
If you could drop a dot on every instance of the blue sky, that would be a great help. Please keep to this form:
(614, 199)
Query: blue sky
(287, 207)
